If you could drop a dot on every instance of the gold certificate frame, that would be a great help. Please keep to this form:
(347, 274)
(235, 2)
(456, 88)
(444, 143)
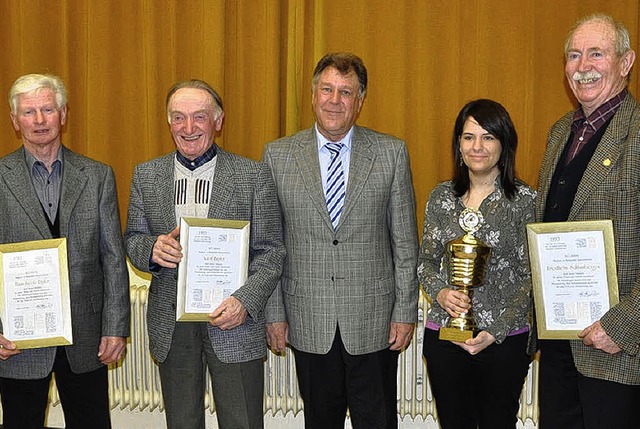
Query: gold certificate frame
(573, 268)
(35, 305)
(215, 262)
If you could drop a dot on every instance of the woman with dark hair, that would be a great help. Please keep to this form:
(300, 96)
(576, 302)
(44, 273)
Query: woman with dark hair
(477, 383)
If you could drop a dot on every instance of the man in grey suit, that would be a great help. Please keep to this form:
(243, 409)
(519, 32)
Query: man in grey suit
(347, 300)
(591, 170)
(48, 191)
(202, 180)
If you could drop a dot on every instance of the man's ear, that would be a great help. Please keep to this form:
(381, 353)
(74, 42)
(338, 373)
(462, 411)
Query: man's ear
(14, 121)
(627, 62)
(218, 122)
(63, 115)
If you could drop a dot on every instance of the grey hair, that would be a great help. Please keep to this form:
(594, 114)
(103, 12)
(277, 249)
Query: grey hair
(196, 84)
(621, 42)
(36, 82)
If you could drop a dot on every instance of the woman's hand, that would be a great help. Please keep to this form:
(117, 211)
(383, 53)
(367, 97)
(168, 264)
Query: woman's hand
(454, 302)
(477, 344)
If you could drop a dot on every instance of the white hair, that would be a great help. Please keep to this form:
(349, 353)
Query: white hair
(36, 82)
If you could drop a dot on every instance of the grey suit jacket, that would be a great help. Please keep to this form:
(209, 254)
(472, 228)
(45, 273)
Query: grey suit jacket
(362, 276)
(98, 276)
(242, 189)
(610, 189)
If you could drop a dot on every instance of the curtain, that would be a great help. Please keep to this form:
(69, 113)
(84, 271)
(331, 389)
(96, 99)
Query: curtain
(425, 59)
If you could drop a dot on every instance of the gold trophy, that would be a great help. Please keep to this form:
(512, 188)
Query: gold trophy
(466, 262)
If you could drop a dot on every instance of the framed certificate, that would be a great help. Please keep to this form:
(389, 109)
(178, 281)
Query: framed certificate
(35, 307)
(215, 262)
(573, 267)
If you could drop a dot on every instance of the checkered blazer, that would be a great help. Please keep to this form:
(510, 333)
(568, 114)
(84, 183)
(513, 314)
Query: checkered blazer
(242, 189)
(98, 276)
(361, 276)
(610, 189)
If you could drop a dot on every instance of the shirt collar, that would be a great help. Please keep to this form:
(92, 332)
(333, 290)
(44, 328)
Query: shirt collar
(207, 156)
(322, 140)
(602, 114)
(31, 160)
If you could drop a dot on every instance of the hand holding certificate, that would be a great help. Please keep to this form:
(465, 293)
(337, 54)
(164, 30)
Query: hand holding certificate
(214, 265)
(574, 275)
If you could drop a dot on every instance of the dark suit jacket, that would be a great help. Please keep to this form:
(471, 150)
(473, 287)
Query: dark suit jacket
(98, 276)
(362, 276)
(610, 189)
(242, 189)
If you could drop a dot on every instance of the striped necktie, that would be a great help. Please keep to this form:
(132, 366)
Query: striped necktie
(334, 189)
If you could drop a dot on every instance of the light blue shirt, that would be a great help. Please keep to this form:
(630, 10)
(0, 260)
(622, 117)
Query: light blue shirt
(324, 156)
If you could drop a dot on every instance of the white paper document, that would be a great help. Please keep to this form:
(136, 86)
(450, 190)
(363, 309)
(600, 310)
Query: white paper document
(573, 271)
(214, 265)
(32, 293)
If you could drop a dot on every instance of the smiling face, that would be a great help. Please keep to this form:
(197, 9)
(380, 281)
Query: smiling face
(595, 72)
(480, 149)
(336, 103)
(193, 121)
(38, 119)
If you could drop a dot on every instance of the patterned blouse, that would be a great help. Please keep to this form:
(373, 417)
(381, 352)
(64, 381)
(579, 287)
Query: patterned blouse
(502, 304)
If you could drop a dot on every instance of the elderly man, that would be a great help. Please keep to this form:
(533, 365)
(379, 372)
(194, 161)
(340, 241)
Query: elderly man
(49, 192)
(591, 170)
(347, 300)
(202, 180)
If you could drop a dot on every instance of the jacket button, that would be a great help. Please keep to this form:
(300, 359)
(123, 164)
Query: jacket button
(335, 242)
(561, 182)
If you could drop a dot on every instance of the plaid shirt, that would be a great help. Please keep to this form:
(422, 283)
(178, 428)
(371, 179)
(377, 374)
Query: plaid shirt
(584, 128)
(207, 156)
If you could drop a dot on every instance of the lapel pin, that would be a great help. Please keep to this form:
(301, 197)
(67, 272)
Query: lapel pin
(606, 162)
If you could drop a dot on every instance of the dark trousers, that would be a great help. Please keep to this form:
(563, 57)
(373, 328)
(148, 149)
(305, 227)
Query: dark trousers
(84, 398)
(476, 391)
(333, 382)
(569, 400)
(237, 387)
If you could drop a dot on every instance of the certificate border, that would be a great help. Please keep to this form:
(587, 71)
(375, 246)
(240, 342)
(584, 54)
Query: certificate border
(185, 224)
(55, 243)
(535, 229)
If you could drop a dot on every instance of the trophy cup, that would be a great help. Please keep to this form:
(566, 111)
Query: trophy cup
(466, 262)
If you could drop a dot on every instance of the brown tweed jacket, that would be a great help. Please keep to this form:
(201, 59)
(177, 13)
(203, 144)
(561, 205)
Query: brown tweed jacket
(610, 189)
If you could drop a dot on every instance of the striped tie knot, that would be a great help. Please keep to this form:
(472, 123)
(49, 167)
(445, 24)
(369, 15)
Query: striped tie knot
(334, 189)
(334, 148)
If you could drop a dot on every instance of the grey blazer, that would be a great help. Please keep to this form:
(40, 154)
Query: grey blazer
(362, 276)
(98, 276)
(242, 189)
(610, 189)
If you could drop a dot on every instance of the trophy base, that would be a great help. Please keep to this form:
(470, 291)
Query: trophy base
(455, 334)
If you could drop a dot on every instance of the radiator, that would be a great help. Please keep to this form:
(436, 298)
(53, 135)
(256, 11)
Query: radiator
(134, 384)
